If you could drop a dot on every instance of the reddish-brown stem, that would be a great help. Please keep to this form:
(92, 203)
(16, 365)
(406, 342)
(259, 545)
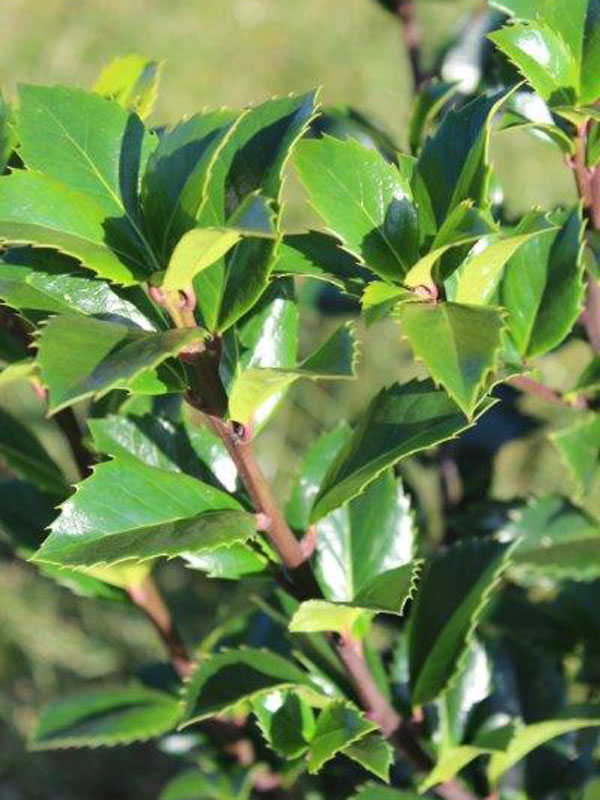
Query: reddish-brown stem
(531, 386)
(412, 39)
(147, 598)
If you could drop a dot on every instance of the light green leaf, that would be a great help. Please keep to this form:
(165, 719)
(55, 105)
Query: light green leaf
(105, 717)
(199, 248)
(320, 256)
(128, 511)
(544, 59)
(315, 616)
(39, 210)
(339, 725)
(132, 81)
(105, 356)
(460, 345)
(529, 737)
(286, 721)
(18, 371)
(23, 454)
(252, 159)
(400, 421)
(374, 754)
(335, 359)
(588, 382)
(223, 681)
(200, 784)
(464, 576)
(230, 562)
(8, 138)
(579, 447)
(380, 298)
(363, 200)
(542, 288)
(373, 792)
(555, 539)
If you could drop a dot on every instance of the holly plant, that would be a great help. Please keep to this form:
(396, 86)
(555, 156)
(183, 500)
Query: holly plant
(408, 628)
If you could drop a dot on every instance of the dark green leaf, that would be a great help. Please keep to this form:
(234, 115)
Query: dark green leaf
(223, 681)
(374, 754)
(427, 105)
(127, 510)
(453, 593)
(200, 784)
(23, 454)
(401, 420)
(589, 380)
(339, 725)
(460, 345)
(105, 717)
(104, 356)
(363, 200)
(286, 721)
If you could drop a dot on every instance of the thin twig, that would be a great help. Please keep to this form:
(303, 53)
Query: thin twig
(531, 386)
(407, 14)
(147, 597)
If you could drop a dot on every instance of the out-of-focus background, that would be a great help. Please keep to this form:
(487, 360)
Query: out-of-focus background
(218, 52)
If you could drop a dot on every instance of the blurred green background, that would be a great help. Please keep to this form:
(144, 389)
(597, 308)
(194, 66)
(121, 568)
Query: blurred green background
(219, 52)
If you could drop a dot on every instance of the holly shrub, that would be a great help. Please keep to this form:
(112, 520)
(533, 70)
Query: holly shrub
(149, 299)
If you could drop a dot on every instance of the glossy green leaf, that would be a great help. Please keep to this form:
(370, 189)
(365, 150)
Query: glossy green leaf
(427, 105)
(543, 57)
(400, 421)
(39, 210)
(529, 737)
(23, 454)
(317, 616)
(93, 146)
(460, 345)
(472, 685)
(287, 722)
(320, 256)
(128, 511)
(542, 288)
(223, 681)
(453, 593)
(579, 447)
(555, 539)
(230, 562)
(380, 298)
(338, 726)
(252, 159)
(363, 200)
(374, 754)
(266, 338)
(255, 386)
(40, 282)
(105, 717)
(480, 273)
(104, 356)
(132, 81)
(201, 247)
(174, 184)
(312, 471)
(453, 165)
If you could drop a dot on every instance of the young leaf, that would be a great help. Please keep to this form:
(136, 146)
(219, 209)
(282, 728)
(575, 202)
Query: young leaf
(363, 200)
(380, 298)
(542, 287)
(555, 539)
(201, 247)
(39, 282)
(334, 360)
(529, 737)
(400, 421)
(453, 165)
(320, 256)
(128, 511)
(453, 593)
(39, 210)
(132, 81)
(286, 721)
(104, 356)
(338, 726)
(460, 344)
(579, 447)
(25, 456)
(105, 717)
(224, 680)
(252, 159)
